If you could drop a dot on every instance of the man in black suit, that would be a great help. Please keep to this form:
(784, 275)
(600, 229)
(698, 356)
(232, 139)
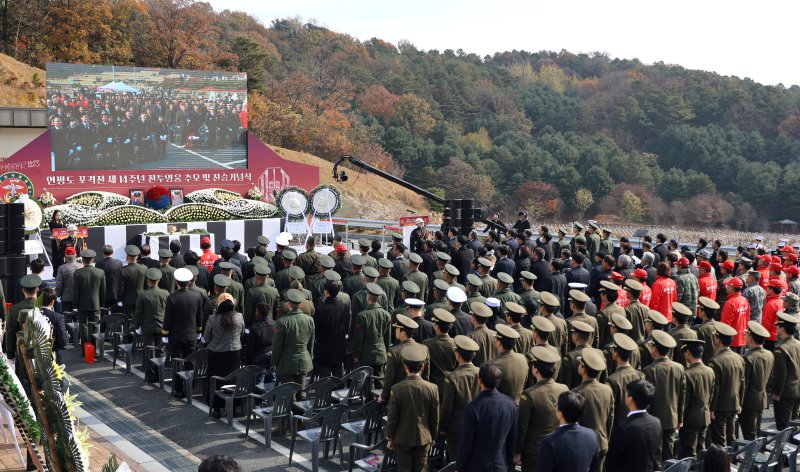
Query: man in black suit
(488, 427)
(113, 269)
(60, 336)
(578, 273)
(571, 448)
(634, 442)
(462, 258)
(540, 268)
(503, 263)
(177, 258)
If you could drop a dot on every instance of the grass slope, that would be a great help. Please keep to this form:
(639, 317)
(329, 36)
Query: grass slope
(16, 84)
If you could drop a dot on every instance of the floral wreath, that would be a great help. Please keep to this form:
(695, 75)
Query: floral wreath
(293, 201)
(321, 196)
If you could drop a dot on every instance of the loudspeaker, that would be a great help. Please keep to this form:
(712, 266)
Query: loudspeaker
(12, 229)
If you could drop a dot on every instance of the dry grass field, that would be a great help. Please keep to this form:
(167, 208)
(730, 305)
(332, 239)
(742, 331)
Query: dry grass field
(17, 88)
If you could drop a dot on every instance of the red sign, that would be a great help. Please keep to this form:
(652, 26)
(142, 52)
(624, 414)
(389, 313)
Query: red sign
(266, 169)
(61, 233)
(411, 220)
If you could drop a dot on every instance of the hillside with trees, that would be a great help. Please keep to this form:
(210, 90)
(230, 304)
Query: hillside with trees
(557, 133)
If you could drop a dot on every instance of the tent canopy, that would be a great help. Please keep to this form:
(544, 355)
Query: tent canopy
(786, 222)
(114, 86)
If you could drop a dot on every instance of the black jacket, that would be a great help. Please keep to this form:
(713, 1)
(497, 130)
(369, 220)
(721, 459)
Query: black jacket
(571, 448)
(183, 315)
(425, 330)
(462, 325)
(259, 340)
(177, 260)
(556, 284)
(60, 336)
(578, 275)
(331, 322)
(488, 433)
(462, 260)
(634, 444)
(541, 269)
(113, 269)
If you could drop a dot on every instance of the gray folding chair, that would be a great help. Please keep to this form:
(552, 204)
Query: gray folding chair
(278, 407)
(330, 420)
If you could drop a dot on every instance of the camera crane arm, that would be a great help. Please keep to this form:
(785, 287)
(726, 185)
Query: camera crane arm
(342, 177)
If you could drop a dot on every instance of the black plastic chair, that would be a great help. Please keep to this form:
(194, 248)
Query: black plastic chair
(356, 382)
(370, 428)
(113, 326)
(322, 393)
(746, 456)
(159, 362)
(436, 455)
(774, 449)
(243, 381)
(198, 371)
(279, 407)
(330, 420)
(379, 459)
(683, 465)
(451, 467)
(128, 349)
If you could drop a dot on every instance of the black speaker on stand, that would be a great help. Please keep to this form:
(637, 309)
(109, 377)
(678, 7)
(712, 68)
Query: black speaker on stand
(13, 261)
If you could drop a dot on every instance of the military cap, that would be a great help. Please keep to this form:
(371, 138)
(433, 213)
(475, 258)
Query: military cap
(758, 329)
(385, 263)
(295, 296)
(708, 303)
(442, 256)
(527, 275)
(515, 308)
(443, 315)
(414, 353)
(593, 358)
(72, 228)
(263, 269)
(225, 265)
(451, 269)
(505, 278)
(582, 326)
(562, 231)
(415, 258)
(484, 262)
(723, 329)
(193, 270)
(153, 274)
(620, 321)
(332, 275)
(544, 354)
(474, 280)
(578, 296)
(289, 254)
(441, 285)
(31, 281)
(662, 338)
(410, 287)
(577, 285)
(594, 225)
(364, 242)
(414, 302)
(132, 250)
(634, 285)
(183, 275)
(397, 236)
(624, 342)
(506, 331)
(785, 318)
(679, 308)
(465, 343)
(221, 280)
(262, 240)
(704, 253)
(607, 230)
(606, 285)
(371, 272)
(327, 261)
(657, 318)
(296, 273)
(90, 254)
(542, 324)
(162, 253)
(480, 310)
(578, 225)
(549, 299)
(283, 239)
(404, 322)
(358, 260)
(791, 296)
(374, 289)
(492, 302)
(691, 342)
(456, 295)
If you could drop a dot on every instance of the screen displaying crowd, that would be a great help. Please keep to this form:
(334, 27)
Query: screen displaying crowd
(124, 118)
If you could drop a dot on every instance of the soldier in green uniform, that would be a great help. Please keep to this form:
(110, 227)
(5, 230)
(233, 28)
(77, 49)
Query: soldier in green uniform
(409, 290)
(309, 262)
(221, 284)
(439, 298)
(396, 238)
(537, 413)
(577, 303)
(726, 401)
(417, 276)
(167, 281)
(513, 365)
(390, 285)
(371, 332)
(282, 276)
(293, 342)
(581, 334)
(326, 264)
(88, 290)
(15, 321)
(577, 237)
(235, 288)
(758, 364)
(355, 282)
(413, 418)
(442, 259)
(133, 275)
(561, 243)
(681, 330)
(260, 293)
(669, 380)
(441, 348)
(550, 305)
(481, 334)
(619, 325)
(505, 294)
(527, 293)
(364, 246)
(655, 322)
(593, 240)
(786, 375)
(460, 387)
(699, 389)
(359, 299)
(148, 314)
(404, 330)
(636, 311)
(472, 290)
(514, 314)
(608, 293)
(450, 276)
(622, 348)
(488, 283)
(605, 243)
(543, 330)
(598, 412)
(331, 276)
(193, 283)
(706, 311)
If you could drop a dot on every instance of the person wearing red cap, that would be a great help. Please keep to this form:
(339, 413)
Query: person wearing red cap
(725, 273)
(769, 314)
(736, 312)
(763, 266)
(706, 281)
(208, 258)
(647, 293)
(664, 292)
(64, 278)
(776, 273)
(622, 296)
(687, 285)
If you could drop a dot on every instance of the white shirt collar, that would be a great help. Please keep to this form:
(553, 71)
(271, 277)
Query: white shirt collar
(636, 412)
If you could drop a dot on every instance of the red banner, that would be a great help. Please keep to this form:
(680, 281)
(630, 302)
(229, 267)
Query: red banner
(411, 220)
(61, 233)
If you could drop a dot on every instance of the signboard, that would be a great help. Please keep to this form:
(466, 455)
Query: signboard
(410, 220)
(33, 246)
(323, 226)
(296, 227)
(61, 233)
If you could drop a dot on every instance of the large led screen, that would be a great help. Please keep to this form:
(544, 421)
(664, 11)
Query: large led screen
(132, 118)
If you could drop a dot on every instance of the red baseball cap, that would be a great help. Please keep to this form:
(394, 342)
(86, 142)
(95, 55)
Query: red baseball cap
(776, 259)
(791, 257)
(70, 251)
(618, 276)
(727, 265)
(776, 267)
(640, 274)
(705, 265)
(341, 248)
(788, 249)
(683, 262)
(735, 281)
(793, 270)
(775, 283)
